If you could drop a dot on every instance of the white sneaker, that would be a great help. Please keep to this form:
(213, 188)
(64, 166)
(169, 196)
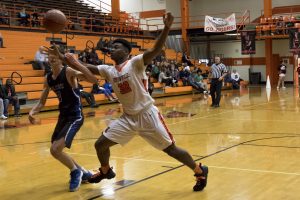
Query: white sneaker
(3, 117)
(283, 87)
(277, 88)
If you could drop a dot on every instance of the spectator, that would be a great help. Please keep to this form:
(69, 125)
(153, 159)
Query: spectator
(1, 41)
(192, 81)
(93, 58)
(41, 61)
(150, 84)
(174, 74)
(183, 75)
(35, 21)
(186, 59)
(155, 70)
(23, 17)
(101, 90)
(164, 79)
(186, 67)
(235, 79)
(89, 97)
(199, 79)
(84, 55)
(3, 102)
(4, 15)
(12, 97)
(280, 26)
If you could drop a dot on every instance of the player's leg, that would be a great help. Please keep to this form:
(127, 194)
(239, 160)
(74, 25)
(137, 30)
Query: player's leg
(118, 132)
(282, 82)
(65, 131)
(279, 82)
(160, 137)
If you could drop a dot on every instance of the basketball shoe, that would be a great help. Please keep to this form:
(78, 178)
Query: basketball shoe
(96, 178)
(75, 181)
(201, 178)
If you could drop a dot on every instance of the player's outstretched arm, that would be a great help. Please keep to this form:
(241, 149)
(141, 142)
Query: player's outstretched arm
(75, 64)
(37, 108)
(150, 54)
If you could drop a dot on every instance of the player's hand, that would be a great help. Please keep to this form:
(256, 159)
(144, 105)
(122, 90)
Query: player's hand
(221, 78)
(54, 51)
(31, 118)
(168, 19)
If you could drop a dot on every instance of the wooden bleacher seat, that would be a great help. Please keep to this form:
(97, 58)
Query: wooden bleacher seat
(178, 89)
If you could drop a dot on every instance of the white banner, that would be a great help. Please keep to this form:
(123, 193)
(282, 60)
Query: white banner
(213, 24)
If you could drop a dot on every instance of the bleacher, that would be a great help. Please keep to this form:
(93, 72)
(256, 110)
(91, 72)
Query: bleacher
(21, 47)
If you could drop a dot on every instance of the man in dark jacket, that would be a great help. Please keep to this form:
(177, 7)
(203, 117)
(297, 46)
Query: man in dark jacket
(12, 97)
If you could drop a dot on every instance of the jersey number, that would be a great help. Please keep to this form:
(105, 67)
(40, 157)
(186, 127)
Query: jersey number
(124, 87)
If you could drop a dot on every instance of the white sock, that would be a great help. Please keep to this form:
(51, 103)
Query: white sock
(74, 168)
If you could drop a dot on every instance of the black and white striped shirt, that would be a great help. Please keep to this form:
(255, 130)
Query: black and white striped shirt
(217, 70)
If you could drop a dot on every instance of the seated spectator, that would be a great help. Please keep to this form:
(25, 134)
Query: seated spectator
(12, 97)
(97, 89)
(23, 18)
(183, 75)
(41, 60)
(4, 15)
(35, 20)
(107, 85)
(93, 58)
(1, 41)
(192, 81)
(3, 102)
(89, 97)
(164, 79)
(150, 84)
(280, 26)
(174, 74)
(186, 59)
(199, 79)
(235, 79)
(84, 55)
(155, 70)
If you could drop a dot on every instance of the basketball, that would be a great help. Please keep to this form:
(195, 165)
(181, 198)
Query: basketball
(55, 21)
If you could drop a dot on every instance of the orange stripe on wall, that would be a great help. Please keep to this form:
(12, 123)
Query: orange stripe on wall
(152, 13)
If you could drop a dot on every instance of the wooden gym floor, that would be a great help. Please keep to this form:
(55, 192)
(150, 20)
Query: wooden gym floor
(251, 145)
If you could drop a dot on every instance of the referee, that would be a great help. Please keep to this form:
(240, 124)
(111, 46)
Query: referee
(217, 74)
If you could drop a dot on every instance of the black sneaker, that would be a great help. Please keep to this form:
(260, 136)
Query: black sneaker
(201, 179)
(96, 178)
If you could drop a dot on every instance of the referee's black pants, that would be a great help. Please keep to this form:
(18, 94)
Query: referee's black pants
(215, 91)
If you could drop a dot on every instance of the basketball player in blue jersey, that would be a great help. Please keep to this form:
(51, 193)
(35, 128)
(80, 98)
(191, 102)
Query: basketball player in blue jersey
(141, 117)
(63, 81)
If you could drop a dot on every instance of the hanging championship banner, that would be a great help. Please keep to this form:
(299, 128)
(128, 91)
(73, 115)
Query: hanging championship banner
(294, 40)
(213, 24)
(248, 42)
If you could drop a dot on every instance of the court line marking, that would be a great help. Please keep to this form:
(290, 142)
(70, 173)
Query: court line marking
(209, 155)
(210, 166)
(228, 111)
(263, 145)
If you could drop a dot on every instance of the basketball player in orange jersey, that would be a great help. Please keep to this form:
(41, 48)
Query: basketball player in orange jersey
(129, 82)
(63, 81)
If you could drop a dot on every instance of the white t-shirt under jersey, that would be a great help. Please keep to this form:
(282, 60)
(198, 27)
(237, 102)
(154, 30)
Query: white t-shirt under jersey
(129, 82)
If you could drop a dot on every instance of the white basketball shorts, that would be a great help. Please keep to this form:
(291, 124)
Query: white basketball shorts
(149, 124)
